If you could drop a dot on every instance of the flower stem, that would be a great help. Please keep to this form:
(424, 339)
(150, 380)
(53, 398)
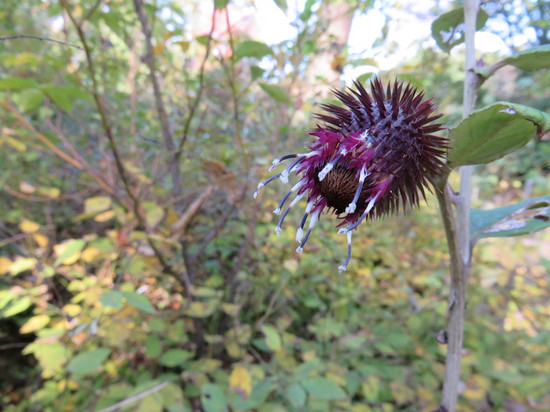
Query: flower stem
(457, 228)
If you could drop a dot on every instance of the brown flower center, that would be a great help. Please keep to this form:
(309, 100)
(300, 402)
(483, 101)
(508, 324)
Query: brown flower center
(339, 187)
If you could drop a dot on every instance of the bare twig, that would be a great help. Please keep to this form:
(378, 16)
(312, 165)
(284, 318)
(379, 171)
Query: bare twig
(26, 36)
(25, 123)
(135, 398)
(179, 227)
(181, 276)
(163, 118)
(195, 105)
(234, 95)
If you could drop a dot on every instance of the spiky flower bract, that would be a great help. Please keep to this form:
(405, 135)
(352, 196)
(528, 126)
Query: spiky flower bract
(372, 155)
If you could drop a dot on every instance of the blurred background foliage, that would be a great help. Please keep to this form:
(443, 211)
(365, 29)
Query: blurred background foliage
(136, 270)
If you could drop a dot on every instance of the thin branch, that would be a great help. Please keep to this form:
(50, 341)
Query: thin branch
(163, 118)
(183, 278)
(135, 398)
(26, 36)
(195, 105)
(25, 123)
(234, 95)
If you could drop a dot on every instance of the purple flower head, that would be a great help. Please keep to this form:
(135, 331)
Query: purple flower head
(372, 155)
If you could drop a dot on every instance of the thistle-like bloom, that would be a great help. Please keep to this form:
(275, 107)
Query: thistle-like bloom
(372, 155)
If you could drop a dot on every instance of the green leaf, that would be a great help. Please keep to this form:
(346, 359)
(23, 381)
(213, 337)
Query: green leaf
(521, 218)
(22, 265)
(324, 389)
(494, 131)
(221, 4)
(139, 301)
(112, 299)
(448, 29)
(252, 48)
(73, 247)
(153, 347)
(296, 395)
(16, 306)
(175, 357)
(282, 5)
(88, 362)
(28, 99)
(213, 398)
(256, 72)
(153, 213)
(14, 83)
(51, 356)
(258, 395)
(275, 92)
(536, 58)
(272, 338)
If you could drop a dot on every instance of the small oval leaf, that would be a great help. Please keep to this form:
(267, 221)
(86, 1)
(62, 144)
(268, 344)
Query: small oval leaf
(275, 92)
(252, 48)
(87, 362)
(324, 389)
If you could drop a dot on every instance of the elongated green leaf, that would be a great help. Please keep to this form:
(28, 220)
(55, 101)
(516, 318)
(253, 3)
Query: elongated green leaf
(252, 48)
(64, 96)
(112, 299)
(71, 252)
(28, 99)
(87, 362)
(14, 83)
(448, 29)
(536, 58)
(521, 218)
(324, 389)
(494, 131)
(175, 357)
(275, 92)
(16, 306)
(139, 301)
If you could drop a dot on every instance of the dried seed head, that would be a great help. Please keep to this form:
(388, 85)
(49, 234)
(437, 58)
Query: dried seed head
(375, 153)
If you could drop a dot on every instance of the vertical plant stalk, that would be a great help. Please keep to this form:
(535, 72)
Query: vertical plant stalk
(163, 118)
(457, 228)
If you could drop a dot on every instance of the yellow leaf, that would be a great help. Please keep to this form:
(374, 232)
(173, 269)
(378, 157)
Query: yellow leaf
(240, 381)
(35, 323)
(51, 192)
(401, 392)
(89, 254)
(40, 239)
(158, 49)
(28, 226)
(97, 204)
(72, 310)
(231, 309)
(16, 144)
(105, 216)
(5, 265)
